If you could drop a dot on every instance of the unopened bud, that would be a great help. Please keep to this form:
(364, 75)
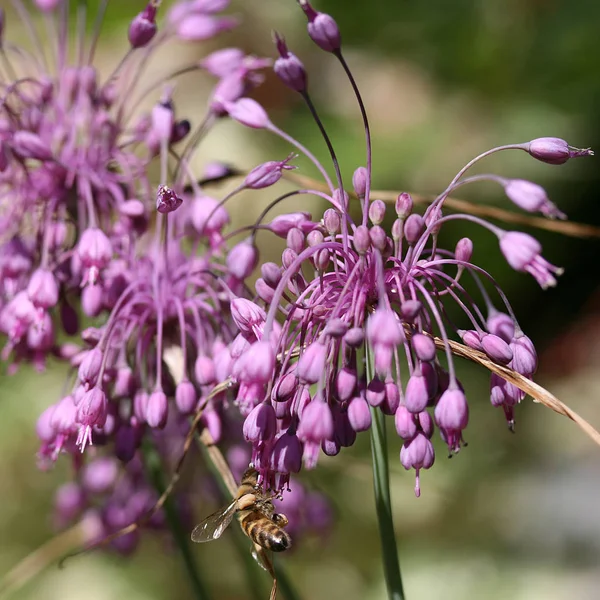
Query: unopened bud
(554, 151)
(404, 205)
(377, 212)
(288, 67)
(143, 27)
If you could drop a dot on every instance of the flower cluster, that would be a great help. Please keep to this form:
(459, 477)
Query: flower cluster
(358, 309)
(350, 325)
(85, 234)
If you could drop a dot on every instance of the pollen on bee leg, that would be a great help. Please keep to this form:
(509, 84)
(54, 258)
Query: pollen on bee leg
(246, 501)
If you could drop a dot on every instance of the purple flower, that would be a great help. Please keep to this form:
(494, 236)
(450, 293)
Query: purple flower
(350, 286)
(523, 253)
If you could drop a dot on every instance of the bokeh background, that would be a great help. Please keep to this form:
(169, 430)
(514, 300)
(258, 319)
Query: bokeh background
(512, 516)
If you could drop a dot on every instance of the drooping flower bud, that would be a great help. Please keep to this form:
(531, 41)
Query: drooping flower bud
(496, 348)
(260, 424)
(316, 422)
(92, 411)
(186, 397)
(359, 414)
(417, 453)
(204, 369)
(524, 355)
(523, 253)
(257, 363)
(502, 325)
(423, 346)
(452, 416)
(375, 392)
(43, 289)
(405, 423)
(249, 317)
(95, 251)
(157, 409)
(286, 456)
(89, 369)
(417, 393)
(531, 197)
(311, 364)
(281, 224)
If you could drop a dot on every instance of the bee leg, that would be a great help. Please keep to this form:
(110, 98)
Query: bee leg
(280, 520)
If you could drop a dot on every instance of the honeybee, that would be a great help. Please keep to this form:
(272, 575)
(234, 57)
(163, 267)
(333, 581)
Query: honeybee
(256, 514)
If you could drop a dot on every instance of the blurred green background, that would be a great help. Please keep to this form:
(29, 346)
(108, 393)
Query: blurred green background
(512, 516)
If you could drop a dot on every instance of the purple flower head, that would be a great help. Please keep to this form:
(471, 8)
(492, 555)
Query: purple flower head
(353, 285)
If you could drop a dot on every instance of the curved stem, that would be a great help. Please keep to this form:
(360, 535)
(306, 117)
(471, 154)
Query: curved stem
(383, 504)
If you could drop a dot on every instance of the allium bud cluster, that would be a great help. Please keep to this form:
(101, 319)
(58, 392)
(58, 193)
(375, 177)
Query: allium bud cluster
(357, 311)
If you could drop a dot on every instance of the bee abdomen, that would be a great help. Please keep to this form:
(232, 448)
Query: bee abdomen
(266, 534)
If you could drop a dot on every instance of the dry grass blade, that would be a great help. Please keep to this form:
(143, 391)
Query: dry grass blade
(537, 392)
(580, 230)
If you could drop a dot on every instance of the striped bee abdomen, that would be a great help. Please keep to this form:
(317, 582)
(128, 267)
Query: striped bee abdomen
(265, 533)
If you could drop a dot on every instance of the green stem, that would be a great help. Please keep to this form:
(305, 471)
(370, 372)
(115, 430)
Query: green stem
(381, 484)
(180, 536)
(285, 585)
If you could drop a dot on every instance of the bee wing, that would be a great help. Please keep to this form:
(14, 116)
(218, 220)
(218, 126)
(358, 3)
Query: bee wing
(214, 525)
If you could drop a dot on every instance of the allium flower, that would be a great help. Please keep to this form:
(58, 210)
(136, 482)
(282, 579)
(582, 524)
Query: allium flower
(85, 228)
(75, 190)
(363, 306)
